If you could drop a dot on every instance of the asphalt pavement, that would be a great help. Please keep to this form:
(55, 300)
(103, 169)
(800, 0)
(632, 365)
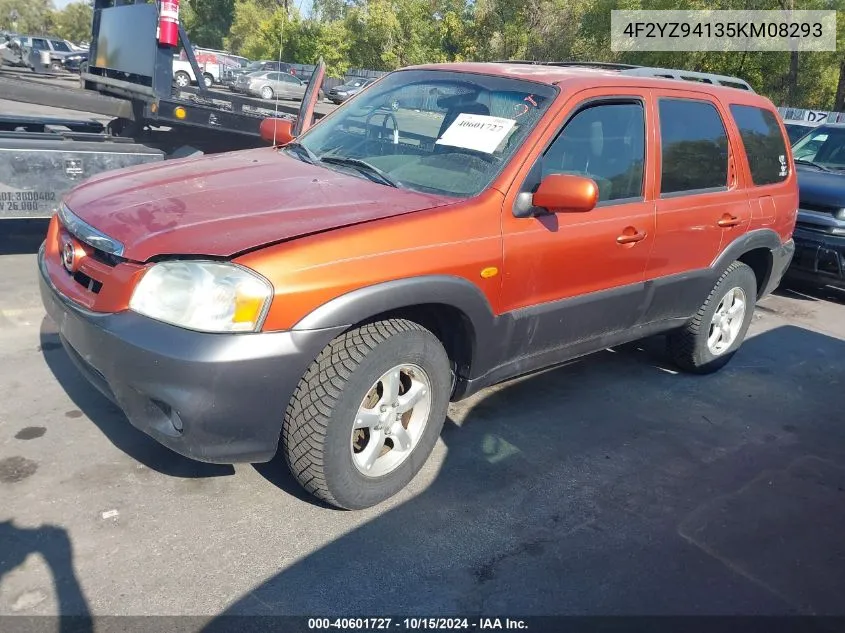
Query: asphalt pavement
(611, 486)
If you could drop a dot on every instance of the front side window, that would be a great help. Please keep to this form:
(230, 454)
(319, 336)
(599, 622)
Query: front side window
(824, 148)
(434, 131)
(694, 146)
(605, 142)
(39, 44)
(60, 46)
(763, 142)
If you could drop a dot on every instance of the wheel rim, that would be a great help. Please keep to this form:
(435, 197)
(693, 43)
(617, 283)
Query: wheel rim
(266, 93)
(181, 81)
(391, 420)
(727, 321)
(208, 82)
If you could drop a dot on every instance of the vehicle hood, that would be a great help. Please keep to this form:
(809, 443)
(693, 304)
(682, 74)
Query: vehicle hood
(821, 188)
(229, 203)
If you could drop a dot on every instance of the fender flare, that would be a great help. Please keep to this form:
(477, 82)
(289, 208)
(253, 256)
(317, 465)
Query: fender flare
(364, 303)
(758, 238)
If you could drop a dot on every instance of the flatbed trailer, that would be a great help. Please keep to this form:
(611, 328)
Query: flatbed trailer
(129, 80)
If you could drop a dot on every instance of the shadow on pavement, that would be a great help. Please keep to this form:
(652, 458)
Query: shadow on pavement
(111, 420)
(803, 291)
(613, 486)
(54, 546)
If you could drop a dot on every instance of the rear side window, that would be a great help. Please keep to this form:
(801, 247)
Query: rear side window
(763, 143)
(694, 146)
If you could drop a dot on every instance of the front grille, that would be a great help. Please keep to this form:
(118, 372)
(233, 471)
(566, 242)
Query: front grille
(89, 283)
(106, 258)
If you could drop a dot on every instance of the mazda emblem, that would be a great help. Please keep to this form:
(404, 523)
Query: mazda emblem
(68, 256)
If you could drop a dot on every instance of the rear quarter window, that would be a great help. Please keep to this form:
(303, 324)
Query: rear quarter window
(764, 144)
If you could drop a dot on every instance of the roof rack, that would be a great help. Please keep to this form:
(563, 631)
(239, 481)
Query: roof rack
(649, 71)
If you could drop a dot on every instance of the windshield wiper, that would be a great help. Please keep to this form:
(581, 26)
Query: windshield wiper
(801, 161)
(362, 166)
(302, 151)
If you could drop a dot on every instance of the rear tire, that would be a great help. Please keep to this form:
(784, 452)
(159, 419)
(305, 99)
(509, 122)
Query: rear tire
(208, 80)
(718, 329)
(267, 93)
(328, 430)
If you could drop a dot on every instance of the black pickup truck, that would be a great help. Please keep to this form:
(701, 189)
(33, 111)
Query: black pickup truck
(820, 230)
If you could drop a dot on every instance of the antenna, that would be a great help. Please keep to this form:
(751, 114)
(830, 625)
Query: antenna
(276, 111)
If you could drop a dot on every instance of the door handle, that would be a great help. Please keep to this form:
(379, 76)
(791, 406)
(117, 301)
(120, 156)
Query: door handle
(728, 221)
(631, 239)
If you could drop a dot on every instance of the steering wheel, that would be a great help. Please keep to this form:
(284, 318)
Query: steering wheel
(472, 154)
(382, 133)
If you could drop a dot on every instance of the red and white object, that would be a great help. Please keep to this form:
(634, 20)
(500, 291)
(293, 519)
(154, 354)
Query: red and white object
(168, 23)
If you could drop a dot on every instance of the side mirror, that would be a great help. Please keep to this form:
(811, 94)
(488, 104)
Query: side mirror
(276, 131)
(559, 193)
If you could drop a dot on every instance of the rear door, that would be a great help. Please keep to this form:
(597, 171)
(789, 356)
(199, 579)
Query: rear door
(700, 200)
(290, 86)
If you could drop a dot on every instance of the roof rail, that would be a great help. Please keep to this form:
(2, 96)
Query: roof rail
(607, 65)
(689, 75)
(648, 71)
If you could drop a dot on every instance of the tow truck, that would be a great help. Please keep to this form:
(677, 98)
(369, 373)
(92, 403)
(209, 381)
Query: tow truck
(129, 82)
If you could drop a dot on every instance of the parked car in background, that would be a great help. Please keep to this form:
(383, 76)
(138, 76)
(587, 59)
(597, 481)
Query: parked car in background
(214, 65)
(74, 62)
(339, 94)
(59, 49)
(264, 65)
(796, 130)
(271, 85)
(820, 231)
(184, 76)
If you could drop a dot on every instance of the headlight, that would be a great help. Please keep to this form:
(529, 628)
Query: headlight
(202, 295)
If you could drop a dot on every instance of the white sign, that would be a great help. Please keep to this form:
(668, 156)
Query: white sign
(478, 132)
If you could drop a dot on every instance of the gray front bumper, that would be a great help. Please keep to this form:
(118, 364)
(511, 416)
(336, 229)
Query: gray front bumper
(227, 392)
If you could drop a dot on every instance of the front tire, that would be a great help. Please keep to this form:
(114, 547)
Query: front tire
(267, 93)
(367, 413)
(183, 79)
(719, 327)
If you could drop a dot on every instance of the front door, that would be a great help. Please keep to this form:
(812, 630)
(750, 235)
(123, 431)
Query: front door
(573, 277)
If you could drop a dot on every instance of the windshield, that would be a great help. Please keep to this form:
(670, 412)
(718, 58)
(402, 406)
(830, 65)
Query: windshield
(795, 131)
(433, 131)
(824, 146)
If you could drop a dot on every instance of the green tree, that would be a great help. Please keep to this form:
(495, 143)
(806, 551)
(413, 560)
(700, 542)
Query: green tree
(26, 16)
(74, 22)
(209, 21)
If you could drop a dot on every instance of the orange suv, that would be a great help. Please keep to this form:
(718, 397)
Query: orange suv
(450, 227)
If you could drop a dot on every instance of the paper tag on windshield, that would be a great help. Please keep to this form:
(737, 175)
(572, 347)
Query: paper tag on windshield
(478, 132)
